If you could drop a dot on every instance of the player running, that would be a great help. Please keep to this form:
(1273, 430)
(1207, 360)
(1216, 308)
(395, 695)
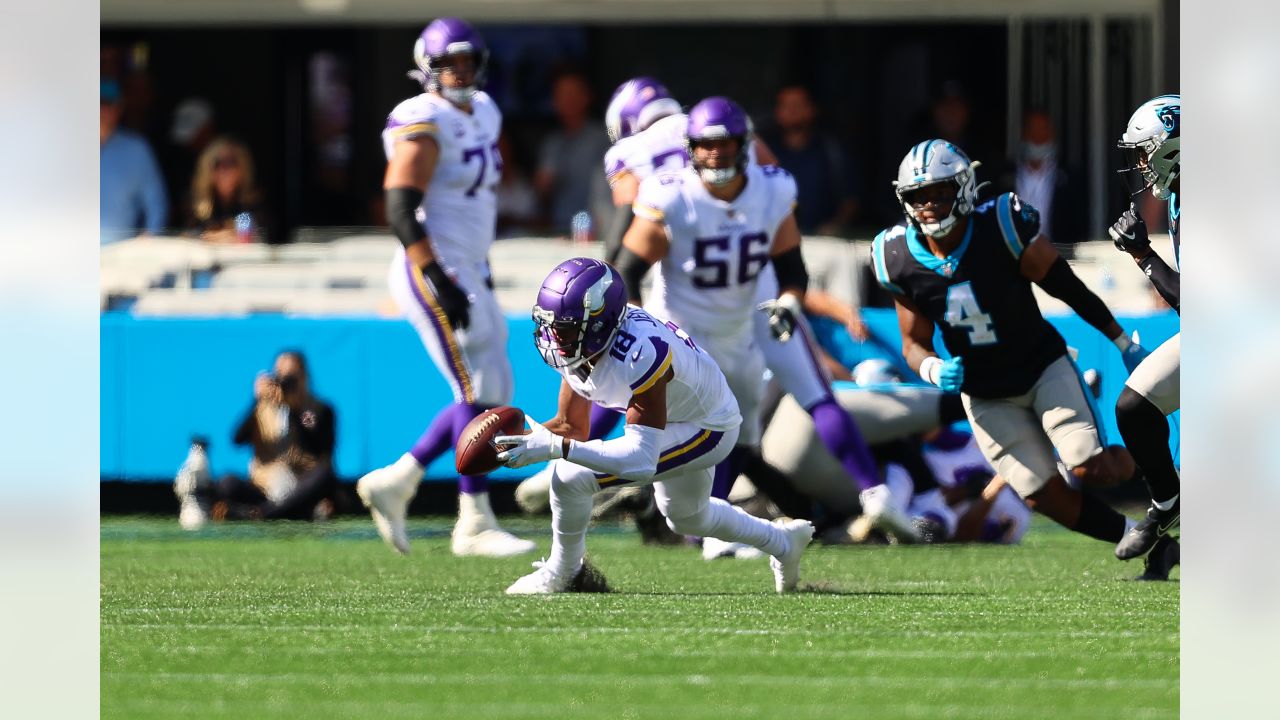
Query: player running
(681, 421)
(1151, 145)
(442, 161)
(968, 270)
(725, 237)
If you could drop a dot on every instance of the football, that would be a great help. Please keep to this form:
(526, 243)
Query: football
(475, 453)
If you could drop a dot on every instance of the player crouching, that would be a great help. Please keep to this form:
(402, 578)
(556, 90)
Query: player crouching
(681, 420)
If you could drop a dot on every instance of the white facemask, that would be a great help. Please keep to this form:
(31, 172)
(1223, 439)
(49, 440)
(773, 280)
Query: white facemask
(717, 176)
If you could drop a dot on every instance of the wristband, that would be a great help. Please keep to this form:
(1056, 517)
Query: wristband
(929, 369)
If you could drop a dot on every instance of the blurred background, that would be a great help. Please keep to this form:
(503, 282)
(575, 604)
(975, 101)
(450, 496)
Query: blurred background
(267, 229)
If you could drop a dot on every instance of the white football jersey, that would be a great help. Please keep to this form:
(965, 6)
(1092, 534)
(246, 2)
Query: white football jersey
(643, 350)
(707, 281)
(658, 148)
(1008, 512)
(460, 206)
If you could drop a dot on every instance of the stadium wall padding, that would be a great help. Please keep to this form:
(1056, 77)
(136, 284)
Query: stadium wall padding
(165, 380)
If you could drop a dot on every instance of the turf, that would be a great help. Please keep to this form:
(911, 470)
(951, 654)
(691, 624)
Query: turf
(322, 621)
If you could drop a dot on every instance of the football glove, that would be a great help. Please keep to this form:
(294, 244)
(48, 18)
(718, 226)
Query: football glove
(453, 301)
(782, 314)
(947, 374)
(1131, 352)
(539, 445)
(1129, 233)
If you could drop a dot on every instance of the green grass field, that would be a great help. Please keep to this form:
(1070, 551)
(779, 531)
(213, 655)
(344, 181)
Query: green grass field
(323, 621)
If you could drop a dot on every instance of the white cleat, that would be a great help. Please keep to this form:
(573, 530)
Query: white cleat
(387, 492)
(542, 581)
(715, 548)
(533, 494)
(489, 542)
(192, 479)
(786, 567)
(880, 512)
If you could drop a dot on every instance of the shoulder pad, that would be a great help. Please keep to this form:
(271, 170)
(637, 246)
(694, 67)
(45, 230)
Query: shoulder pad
(879, 261)
(657, 194)
(1019, 222)
(415, 116)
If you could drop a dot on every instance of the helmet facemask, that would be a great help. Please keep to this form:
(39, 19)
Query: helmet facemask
(1150, 163)
(432, 68)
(721, 175)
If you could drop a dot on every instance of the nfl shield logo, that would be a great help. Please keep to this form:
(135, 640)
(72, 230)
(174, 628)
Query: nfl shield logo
(947, 269)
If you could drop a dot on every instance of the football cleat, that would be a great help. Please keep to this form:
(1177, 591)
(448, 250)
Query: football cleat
(387, 492)
(488, 542)
(1142, 538)
(533, 494)
(929, 530)
(545, 580)
(1158, 563)
(786, 567)
(715, 548)
(881, 514)
(193, 478)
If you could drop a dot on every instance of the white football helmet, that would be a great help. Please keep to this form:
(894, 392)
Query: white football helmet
(936, 161)
(1150, 145)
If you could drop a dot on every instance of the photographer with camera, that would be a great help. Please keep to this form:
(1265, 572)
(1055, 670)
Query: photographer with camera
(292, 434)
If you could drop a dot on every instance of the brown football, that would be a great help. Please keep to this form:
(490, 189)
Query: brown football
(475, 453)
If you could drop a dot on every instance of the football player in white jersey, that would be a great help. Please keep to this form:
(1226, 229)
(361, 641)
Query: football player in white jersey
(442, 165)
(681, 421)
(1152, 147)
(720, 229)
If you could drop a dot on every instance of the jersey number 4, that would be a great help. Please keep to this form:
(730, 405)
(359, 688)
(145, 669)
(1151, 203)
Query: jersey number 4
(963, 311)
(715, 259)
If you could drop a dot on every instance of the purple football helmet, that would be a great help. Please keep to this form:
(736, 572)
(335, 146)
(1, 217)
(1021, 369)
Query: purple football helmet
(579, 308)
(635, 105)
(713, 119)
(441, 39)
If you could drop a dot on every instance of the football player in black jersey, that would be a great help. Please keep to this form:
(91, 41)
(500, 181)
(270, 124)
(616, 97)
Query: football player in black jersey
(968, 268)
(1152, 147)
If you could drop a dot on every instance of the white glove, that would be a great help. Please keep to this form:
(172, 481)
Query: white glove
(538, 445)
(782, 314)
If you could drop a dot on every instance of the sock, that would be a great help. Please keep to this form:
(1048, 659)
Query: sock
(1167, 504)
(437, 438)
(773, 483)
(840, 434)
(464, 413)
(570, 515)
(603, 421)
(1098, 520)
(726, 522)
(727, 471)
(1145, 431)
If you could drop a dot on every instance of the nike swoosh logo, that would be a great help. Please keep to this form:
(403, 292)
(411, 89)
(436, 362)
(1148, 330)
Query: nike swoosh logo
(635, 357)
(1165, 527)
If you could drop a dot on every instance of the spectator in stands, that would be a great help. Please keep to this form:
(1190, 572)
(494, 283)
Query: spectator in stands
(569, 180)
(517, 200)
(226, 204)
(826, 183)
(192, 130)
(132, 195)
(950, 114)
(292, 434)
(1044, 182)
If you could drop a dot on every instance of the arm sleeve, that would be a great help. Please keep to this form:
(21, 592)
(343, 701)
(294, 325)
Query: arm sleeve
(402, 214)
(1166, 280)
(1063, 284)
(633, 456)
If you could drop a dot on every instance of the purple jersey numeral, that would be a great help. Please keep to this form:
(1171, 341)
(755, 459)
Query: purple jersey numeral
(661, 158)
(475, 152)
(622, 345)
(712, 258)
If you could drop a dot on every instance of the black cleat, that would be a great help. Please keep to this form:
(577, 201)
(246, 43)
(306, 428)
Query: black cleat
(1160, 561)
(1143, 537)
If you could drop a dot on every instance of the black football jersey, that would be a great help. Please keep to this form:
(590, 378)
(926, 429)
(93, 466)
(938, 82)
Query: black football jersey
(977, 296)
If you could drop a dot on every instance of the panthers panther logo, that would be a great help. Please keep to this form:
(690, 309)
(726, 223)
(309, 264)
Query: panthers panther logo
(1170, 116)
